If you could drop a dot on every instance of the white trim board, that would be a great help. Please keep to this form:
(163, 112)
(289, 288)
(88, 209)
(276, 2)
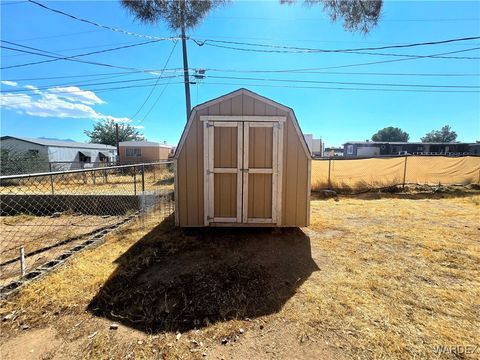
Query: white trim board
(244, 118)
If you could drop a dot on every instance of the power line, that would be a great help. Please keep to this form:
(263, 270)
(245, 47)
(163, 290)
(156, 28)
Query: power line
(344, 83)
(74, 56)
(302, 49)
(64, 58)
(395, 60)
(97, 91)
(248, 79)
(55, 86)
(295, 71)
(72, 49)
(118, 30)
(340, 52)
(158, 79)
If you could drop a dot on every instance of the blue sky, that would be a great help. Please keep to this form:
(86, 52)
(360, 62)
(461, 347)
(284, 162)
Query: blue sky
(65, 107)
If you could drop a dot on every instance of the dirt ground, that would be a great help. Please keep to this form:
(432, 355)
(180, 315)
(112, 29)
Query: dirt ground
(373, 277)
(44, 237)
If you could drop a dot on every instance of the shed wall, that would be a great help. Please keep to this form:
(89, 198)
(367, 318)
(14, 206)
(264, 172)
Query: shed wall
(190, 167)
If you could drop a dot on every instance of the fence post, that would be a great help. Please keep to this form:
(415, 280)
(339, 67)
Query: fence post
(94, 177)
(153, 173)
(51, 177)
(404, 173)
(134, 180)
(143, 178)
(329, 172)
(22, 261)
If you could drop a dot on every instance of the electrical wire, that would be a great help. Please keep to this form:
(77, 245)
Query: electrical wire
(114, 29)
(301, 49)
(65, 58)
(158, 79)
(74, 56)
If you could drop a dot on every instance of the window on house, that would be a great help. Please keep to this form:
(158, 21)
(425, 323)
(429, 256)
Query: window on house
(134, 152)
(349, 149)
(84, 157)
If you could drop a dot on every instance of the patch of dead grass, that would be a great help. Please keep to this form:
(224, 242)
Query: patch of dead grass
(397, 277)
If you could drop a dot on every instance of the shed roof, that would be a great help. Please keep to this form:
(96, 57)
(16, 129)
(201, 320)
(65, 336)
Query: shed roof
(60, 143)
(231, 95)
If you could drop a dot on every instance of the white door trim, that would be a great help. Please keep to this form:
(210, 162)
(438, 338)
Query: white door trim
(210, 171)
(277, 129)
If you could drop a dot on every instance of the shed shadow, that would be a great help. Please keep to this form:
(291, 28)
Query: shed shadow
(178, 280)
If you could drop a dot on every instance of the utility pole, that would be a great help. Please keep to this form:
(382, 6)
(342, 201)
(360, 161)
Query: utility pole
(186, 78)
(118, 144)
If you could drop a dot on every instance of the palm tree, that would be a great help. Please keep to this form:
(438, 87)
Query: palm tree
(181, 15)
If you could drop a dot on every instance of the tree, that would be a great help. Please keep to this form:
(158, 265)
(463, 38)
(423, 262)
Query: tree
(358, 15)
(391, 133)
(445, 134)
(104, 133)
(181, 15)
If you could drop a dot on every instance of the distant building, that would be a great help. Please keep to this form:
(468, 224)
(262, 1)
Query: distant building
(66, 155)
(144, 151)
(333, 152)
(378, 148)
(314, 145)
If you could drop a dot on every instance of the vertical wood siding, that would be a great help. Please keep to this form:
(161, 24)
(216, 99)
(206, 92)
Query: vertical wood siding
(295, 192)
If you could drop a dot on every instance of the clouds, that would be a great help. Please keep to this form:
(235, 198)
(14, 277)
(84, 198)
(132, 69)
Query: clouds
(61, 102)
(9, 83)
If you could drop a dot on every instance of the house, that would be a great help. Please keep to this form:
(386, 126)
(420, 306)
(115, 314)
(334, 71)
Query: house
(314, 145)
(64, 155)
(333, 152)
(242, 161)
(134, 152)
(378, 148)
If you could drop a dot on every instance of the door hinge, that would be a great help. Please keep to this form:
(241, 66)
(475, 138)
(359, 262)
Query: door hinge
(209, 218)
(244, 170)
(210, 172)
(210, 125)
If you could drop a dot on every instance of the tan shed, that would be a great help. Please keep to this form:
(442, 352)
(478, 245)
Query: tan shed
(242, 161)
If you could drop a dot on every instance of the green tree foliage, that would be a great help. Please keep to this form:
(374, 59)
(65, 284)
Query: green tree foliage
(445, 134)
(358, 15)
(188, 13)
(391, 134)
(104, 133)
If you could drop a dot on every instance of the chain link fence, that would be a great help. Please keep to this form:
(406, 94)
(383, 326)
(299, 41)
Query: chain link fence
(373, 173)
(46, 217)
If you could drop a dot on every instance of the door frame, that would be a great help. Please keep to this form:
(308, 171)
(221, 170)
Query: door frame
(242, 123)
(277, 155)
(210, 171)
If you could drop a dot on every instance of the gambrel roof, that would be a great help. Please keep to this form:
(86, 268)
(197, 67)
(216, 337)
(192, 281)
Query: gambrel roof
(242, 91)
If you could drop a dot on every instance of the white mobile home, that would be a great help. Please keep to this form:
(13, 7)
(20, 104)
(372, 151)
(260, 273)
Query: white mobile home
(65, 155)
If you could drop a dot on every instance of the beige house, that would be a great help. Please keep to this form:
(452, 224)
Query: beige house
(131, 152)
(242, 161)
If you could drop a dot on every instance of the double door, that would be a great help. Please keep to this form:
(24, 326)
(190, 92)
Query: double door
(242, 171)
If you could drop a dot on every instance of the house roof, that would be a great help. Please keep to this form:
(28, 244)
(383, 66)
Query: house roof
(60, 143)
(231, 95)
(144, 144)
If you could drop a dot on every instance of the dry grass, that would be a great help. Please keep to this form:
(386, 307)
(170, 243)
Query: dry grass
(395, 278)
(88, 183)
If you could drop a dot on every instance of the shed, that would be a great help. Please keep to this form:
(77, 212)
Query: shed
(242, 161)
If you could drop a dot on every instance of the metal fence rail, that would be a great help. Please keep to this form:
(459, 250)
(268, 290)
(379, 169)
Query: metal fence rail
(44, 216)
